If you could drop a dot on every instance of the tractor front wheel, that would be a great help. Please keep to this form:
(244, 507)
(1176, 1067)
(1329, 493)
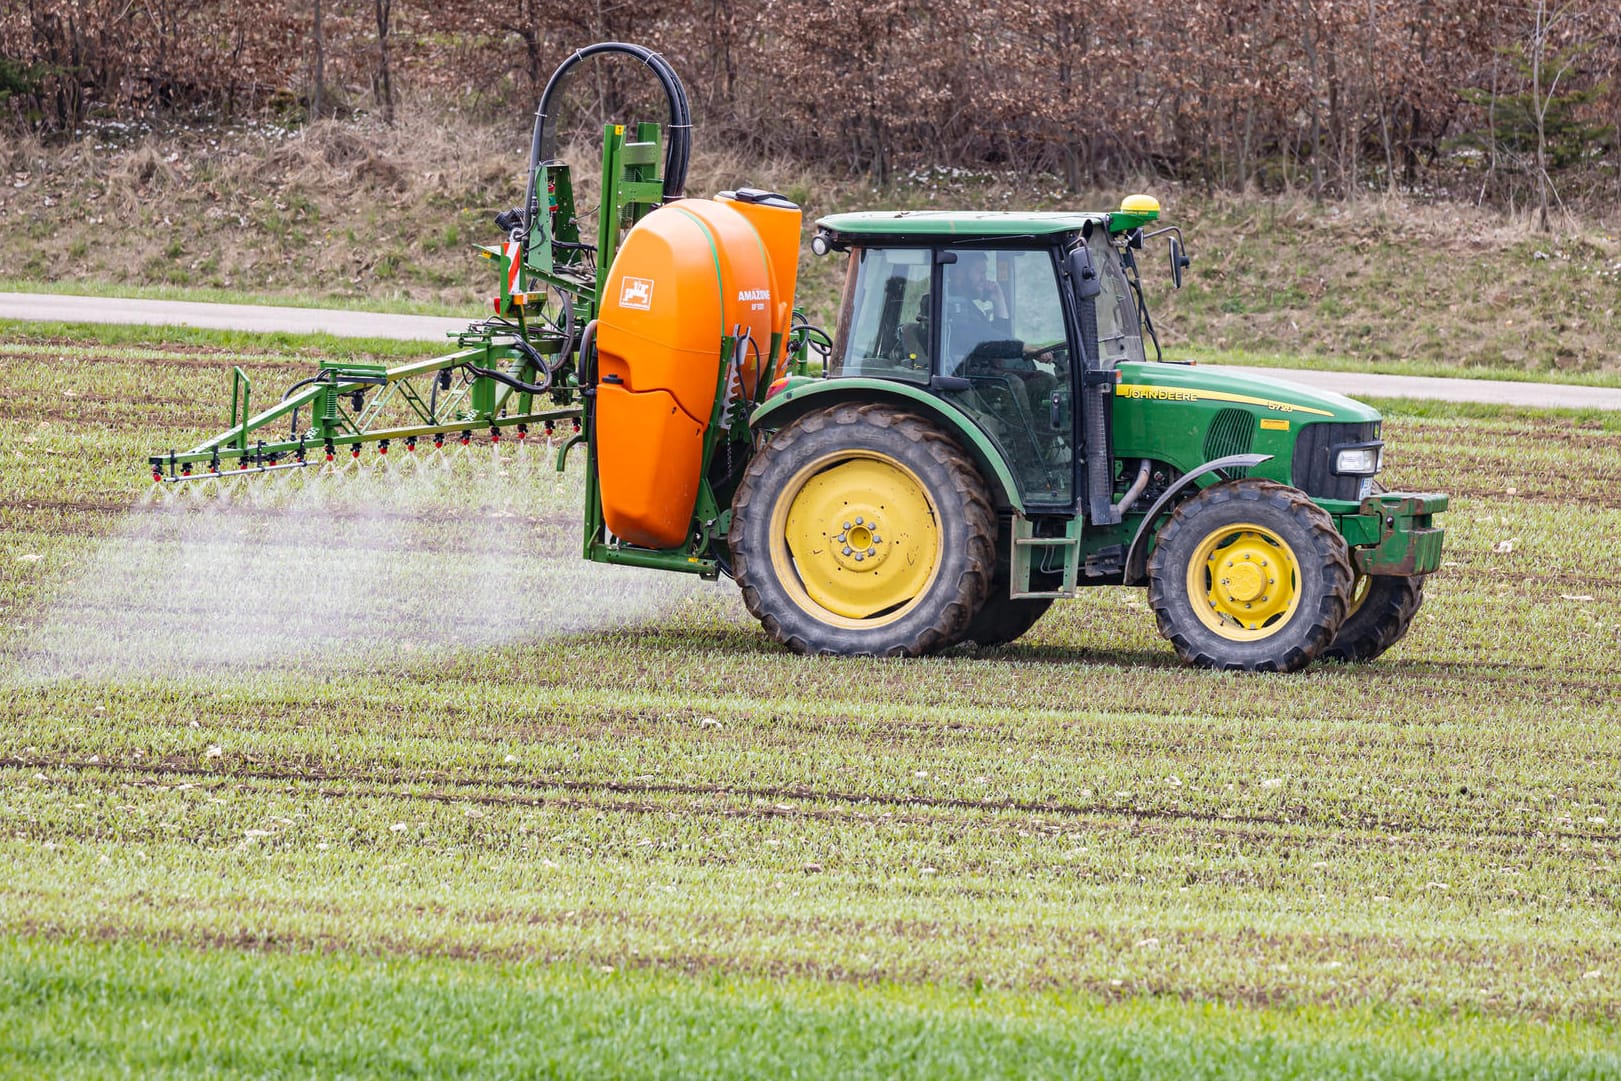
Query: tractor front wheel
(863, 530)
(1382, 609)
(1250, 574)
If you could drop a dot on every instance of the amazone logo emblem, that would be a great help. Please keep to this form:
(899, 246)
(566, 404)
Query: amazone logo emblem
(753, 294)
(636, 293)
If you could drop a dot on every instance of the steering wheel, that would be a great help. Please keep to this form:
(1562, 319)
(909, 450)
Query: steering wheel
(1055, 353)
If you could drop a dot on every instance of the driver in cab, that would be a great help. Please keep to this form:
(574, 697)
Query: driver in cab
(979, 338)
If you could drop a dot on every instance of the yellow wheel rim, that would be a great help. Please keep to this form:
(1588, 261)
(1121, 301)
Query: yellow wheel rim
(1244, 582)
(855, 539)
(1359, 593)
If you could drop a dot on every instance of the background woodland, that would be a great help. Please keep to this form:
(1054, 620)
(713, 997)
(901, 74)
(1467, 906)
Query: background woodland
(1513, 104)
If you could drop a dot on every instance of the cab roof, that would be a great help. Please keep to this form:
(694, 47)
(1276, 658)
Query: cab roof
(956, 223)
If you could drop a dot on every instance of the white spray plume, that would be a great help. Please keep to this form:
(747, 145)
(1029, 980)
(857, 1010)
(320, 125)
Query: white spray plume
(296, 570)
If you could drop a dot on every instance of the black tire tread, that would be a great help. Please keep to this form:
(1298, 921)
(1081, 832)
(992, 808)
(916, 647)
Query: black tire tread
(1334, 566)
(1383, 619)
(798, 630)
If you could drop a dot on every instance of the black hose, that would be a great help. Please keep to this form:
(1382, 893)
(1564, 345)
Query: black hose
(677, 152)
(515, 384)
(1135, 279)
(326, 376)
(812, 336)
(569, 341)
(288, 393)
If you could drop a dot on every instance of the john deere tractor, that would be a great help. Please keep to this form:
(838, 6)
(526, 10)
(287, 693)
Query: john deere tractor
(982, 434)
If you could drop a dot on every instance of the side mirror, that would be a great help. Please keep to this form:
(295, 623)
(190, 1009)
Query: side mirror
(1083, 274)
(1179, 261)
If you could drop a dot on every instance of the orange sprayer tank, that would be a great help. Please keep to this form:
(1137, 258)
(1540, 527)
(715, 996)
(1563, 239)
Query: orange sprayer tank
(688, 274)
(778, 222)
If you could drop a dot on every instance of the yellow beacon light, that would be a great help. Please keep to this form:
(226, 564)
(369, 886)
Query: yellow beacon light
(1146, 205)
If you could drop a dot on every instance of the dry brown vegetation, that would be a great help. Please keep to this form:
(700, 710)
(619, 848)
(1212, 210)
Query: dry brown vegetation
(1508, 100)
(373, 215)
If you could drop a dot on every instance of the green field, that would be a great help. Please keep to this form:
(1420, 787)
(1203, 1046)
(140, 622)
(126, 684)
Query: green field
(346, 780)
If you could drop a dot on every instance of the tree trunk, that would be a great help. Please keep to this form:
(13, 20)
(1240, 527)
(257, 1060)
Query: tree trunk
(1539, 110)
(320, 65)
(385, 79)
(1309, 39)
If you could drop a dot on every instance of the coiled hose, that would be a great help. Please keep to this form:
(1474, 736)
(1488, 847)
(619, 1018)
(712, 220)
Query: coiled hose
(677, 152)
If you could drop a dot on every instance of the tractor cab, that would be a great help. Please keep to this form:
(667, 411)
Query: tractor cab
(981, 309)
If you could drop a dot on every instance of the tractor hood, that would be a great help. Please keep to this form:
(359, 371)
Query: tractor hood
(1217, 385)
(1187, 415)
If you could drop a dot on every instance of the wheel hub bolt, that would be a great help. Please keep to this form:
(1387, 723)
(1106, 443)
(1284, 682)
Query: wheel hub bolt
(856, 541)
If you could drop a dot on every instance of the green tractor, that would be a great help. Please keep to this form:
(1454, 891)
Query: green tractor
(988, 436)
(982, 434)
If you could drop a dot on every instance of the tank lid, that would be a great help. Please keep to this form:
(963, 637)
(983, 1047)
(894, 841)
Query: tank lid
(761, 196)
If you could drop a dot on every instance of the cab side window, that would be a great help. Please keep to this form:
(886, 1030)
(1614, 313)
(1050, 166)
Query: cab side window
(1120, 334)
(885, 329)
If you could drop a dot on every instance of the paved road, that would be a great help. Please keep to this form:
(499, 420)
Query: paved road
(52, 308)
(74, 309)
(1493, 391)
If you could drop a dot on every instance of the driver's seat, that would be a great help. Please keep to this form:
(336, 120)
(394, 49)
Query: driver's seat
(915, 336)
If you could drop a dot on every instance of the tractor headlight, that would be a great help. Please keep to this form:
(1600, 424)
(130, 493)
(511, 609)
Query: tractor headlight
(1358, 459)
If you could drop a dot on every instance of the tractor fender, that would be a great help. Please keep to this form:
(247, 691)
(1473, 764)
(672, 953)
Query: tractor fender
(1137, 555)
(791, 404)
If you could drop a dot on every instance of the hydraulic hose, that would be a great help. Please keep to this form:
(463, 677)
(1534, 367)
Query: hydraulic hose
(1129, 500)
(515, 384)
(677, 152)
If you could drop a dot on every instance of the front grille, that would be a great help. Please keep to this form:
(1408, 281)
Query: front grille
(1232, 431)
(1313, 464)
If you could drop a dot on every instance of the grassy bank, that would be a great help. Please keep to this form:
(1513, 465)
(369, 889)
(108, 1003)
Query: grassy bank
(384, 219)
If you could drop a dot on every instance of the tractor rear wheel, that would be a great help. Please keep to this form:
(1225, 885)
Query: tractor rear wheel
(1382, 610)
(1002, 619)
(1250, 574)
(863, 530)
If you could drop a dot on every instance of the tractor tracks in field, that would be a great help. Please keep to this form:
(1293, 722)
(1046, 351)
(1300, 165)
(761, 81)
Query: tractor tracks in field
(771, 801)
(747, 958)
(158, 360)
